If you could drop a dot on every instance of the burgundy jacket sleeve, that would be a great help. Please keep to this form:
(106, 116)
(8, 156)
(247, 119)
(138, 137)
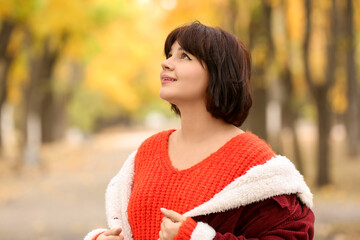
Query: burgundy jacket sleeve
(280, 217)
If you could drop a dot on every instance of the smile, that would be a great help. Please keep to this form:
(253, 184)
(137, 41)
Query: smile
(167, 79)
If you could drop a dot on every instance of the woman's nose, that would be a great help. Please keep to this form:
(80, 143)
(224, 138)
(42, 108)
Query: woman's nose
(167, 64)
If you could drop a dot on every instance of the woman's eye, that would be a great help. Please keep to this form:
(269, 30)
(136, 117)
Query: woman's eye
(168, 56)
(185, 56)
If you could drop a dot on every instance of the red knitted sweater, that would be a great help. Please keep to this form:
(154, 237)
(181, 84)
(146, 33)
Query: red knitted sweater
(158, 184)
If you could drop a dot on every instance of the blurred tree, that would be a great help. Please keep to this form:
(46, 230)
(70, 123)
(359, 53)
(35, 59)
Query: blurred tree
(44, 43)
(262, 51)
(47, 43)
(320, 65)
(352, 123)
(48, 37)
(286, 45)
(6, 58)
(40, 95)
(13, 14)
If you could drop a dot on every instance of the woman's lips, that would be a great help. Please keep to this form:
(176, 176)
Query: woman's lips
(167, 79)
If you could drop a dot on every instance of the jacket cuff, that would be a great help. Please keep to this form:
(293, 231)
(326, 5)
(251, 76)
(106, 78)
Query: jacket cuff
(94, 238)
(186, 229)
(203, 231)
(94, 234)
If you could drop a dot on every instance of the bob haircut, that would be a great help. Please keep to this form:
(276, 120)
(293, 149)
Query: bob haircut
(228, 94)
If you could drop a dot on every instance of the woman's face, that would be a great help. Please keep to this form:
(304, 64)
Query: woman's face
(183, 78)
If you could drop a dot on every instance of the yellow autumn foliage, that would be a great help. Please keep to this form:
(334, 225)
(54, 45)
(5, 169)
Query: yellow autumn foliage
(121, 64)
(337, 94)
(119, 43)
(17, 78)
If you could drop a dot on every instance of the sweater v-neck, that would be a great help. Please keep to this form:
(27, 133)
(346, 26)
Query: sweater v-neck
(170, 167)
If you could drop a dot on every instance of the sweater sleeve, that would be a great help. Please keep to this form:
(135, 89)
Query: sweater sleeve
(186, 229)
(93, 235)
(282, 217)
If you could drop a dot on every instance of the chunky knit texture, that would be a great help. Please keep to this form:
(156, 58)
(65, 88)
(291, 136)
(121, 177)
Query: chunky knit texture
(186, 229)
(158, 184)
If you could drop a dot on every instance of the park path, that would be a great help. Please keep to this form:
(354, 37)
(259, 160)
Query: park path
(64, 199)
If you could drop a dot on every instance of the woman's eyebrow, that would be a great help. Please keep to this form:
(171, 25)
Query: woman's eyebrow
(179, 49)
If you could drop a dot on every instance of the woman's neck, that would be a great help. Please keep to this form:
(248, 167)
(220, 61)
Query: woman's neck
(198, 125)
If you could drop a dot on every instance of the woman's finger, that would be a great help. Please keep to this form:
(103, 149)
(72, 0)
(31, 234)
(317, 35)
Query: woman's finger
(113, 232)
(166, 223)
(172, 215)
(115, 237)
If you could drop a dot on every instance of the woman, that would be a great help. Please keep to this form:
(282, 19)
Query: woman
(208, 179)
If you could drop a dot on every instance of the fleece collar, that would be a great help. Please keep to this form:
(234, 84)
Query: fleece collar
(277, 176)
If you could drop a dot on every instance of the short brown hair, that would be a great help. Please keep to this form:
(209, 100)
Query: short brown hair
(228, 62)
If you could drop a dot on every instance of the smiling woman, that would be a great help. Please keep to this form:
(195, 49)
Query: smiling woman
(208, 179)
(183, 78)
(227, 63)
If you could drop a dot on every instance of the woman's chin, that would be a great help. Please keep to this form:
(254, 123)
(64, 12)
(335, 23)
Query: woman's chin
(165, 95)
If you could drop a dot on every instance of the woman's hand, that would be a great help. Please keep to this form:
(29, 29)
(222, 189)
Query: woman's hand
(112, 234)
(171, 224)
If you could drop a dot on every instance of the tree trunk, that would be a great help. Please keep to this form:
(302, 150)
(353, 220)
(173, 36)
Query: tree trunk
(289, 116)
(32, 114)
(5, 35)
(47, 117)
(52, 108)
(46, 104)
(41, 65)
(320, 91)
(4, 70)
(259, 34)
(5, 63)
(257, 116)
(290, 110)
(297, 150)
(353, 111)
(53, 117)
(324, 125)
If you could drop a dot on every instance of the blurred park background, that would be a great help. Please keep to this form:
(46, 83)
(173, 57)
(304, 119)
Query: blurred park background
(79, 82)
